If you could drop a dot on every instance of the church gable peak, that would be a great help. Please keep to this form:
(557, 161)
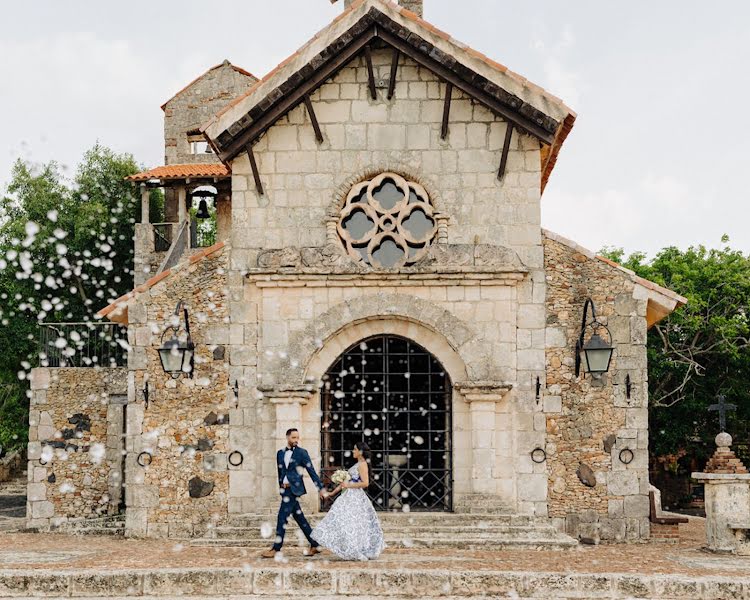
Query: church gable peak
(371, 23)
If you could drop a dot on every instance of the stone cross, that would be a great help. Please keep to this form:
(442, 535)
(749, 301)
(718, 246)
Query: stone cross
(723, 408)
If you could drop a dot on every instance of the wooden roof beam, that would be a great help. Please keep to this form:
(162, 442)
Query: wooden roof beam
(493, 104)
(291, 100)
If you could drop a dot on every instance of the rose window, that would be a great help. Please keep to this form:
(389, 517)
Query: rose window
(387, 222)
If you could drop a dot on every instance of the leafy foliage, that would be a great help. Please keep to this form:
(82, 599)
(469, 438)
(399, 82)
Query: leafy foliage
(699, 351)
(65, 252)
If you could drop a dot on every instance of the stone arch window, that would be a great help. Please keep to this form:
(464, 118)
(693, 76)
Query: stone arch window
(387, 222)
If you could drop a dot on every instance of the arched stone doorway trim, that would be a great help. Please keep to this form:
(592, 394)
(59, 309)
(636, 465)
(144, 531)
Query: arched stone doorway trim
(436, 329)
(435, 343)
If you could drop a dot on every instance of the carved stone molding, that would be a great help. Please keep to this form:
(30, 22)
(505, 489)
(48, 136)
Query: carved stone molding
(483, 391)
(438, 259)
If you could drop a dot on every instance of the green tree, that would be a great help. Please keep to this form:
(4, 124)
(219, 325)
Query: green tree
(700, 350)
(65, 252)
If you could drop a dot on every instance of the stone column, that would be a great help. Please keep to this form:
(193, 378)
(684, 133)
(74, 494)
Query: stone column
(442, 227)
(181, 204)
(289, 404)
(332, 236)
(145, 196)
(483, 397)
(727, 496)
(288, 415)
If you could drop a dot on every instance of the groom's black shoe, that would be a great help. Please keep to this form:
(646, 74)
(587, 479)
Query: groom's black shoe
(312, 551)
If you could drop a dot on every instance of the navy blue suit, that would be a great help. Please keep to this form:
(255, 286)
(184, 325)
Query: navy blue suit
(290, 496)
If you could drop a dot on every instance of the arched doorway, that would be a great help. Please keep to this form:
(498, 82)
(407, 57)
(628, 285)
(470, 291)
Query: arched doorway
(395, 395)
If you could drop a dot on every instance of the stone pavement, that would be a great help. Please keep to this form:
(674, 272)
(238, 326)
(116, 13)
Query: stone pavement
(13, 504)
(56, 565)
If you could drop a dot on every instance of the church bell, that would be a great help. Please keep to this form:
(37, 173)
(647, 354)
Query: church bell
(202, 210)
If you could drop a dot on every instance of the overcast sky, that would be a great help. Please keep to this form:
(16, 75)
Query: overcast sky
(656, 157)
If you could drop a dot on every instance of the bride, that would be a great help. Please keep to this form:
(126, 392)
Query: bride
(351, 529)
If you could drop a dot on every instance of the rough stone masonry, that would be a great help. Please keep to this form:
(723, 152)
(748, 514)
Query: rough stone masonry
(494, 298)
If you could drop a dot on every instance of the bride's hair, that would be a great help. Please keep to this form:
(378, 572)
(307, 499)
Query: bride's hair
(364, 449)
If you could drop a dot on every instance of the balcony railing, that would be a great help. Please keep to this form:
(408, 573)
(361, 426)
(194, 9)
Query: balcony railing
(83, 345)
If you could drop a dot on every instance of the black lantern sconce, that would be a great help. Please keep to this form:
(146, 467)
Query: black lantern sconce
(597, 350)
(177, 354)
(538, 389)
(236, 390)
(628, 386)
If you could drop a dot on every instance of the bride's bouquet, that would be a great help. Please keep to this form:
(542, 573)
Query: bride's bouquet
(340, 477)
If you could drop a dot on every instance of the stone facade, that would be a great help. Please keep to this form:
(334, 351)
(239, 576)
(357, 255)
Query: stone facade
(495, 299)
(305, 185)
(182, 484)
(192, 106)
(75, 447)
(590, 421)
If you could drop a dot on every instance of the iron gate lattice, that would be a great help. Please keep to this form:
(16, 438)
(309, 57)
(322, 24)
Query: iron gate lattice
(396, 396)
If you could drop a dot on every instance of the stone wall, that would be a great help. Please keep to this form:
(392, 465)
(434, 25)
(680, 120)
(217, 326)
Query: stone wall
(75, 444)
(305, 183)
(197, 103)
(185, 425)
(590, 421)
(303, 180)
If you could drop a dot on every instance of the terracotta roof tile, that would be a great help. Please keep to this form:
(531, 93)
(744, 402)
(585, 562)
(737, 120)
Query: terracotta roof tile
(173, 172)
(225, 63)
(117, 310)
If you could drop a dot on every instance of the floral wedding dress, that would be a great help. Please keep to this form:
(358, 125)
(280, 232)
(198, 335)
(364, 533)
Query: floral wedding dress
(351, 529)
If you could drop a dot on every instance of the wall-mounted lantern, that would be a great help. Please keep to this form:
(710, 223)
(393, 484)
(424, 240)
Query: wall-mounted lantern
(178, 352)
(597, 350)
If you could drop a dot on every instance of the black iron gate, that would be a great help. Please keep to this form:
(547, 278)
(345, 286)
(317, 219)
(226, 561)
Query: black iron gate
(396, 396)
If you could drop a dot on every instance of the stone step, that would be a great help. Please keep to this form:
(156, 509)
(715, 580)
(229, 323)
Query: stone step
(325, 581)
(438, 532)
(110, 525)
(405, 519)
(464, 543)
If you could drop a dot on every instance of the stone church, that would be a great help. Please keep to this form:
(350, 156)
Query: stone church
(352, 246)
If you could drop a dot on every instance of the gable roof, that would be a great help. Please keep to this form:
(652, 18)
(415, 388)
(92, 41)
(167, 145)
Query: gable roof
(661, 301)
(117, 311)
(225, 63)
(514, 98)
(183, 171)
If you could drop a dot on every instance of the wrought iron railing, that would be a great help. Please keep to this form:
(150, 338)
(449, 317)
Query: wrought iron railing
(83, 345)
(202, 233)
(162, 236)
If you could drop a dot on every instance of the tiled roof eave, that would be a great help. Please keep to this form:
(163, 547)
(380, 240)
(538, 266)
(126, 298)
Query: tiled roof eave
(226, 128)
(182, 172)
(666, 299)
(117, 310)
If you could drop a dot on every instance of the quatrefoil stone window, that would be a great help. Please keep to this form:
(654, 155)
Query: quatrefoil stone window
(387, 222)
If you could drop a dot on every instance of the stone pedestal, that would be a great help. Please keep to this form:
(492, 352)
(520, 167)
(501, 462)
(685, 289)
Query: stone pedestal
(727, 496)
(727, 512)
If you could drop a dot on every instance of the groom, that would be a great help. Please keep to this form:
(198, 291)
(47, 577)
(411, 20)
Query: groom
(290, 461)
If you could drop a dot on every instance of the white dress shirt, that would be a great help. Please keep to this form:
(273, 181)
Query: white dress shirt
(287, 458)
